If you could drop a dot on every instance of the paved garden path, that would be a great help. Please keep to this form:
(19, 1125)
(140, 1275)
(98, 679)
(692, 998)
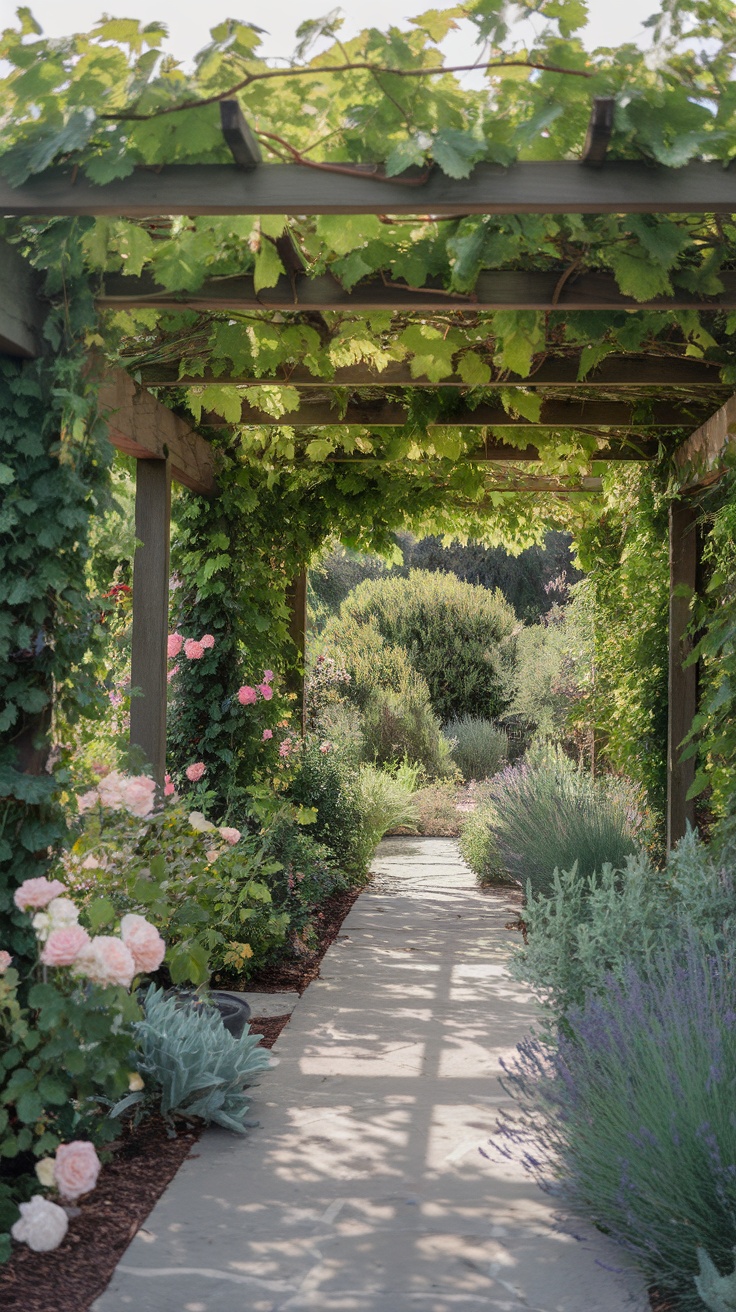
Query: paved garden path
(363, 1189)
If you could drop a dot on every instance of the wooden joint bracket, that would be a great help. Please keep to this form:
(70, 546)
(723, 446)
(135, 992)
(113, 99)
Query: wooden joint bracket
(235, 129)
(599, 132)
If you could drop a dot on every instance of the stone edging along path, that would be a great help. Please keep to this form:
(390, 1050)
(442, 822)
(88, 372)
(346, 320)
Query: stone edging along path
(363, 1188)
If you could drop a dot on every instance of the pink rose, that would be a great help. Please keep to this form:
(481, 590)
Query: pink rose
(268, 676)
(267, 733)
(87, 800)
(207, 641)
(212, 855)
(193, 650)
(76, 1168)
(64, 945)
(112, 790)
(172, 672)
(247, 695)
(169, 789)
(106, 961)
(139, 795)
(194, 772)
(284, 747)
(231, 836)
(174, 645)
(37, 893)
(266, 691)
(5, 960)
(143, 941)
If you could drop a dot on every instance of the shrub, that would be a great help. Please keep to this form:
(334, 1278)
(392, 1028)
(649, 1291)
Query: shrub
(65, 1036)
(630, 1119)
(552, 684)
(386, 801)
(458, 636)
(193, 1066)
(210, 896)
(437, 815)
(327, 779)
(398, 726)
(479, 848)
(307, 875)
(586, 929)
(479, 747)
(372, 662)
(548, 814)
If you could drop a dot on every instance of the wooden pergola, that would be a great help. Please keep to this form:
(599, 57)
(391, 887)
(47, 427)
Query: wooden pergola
(167, 447)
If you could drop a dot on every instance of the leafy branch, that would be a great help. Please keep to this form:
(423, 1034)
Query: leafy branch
(358, 66)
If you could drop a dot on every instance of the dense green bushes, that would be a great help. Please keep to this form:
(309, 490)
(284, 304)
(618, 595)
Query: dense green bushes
(479, 748)
(459, 637)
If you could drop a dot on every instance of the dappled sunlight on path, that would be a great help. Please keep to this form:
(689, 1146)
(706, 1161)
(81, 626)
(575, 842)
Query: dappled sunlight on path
(364, 1188)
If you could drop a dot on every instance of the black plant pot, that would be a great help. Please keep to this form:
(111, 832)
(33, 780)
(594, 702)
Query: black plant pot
(235, 1011)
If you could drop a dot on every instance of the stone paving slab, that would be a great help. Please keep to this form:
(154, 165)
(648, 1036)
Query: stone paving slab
(363, 1189)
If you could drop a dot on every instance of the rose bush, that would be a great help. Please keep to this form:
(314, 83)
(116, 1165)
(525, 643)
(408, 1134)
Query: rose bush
(68, 1050)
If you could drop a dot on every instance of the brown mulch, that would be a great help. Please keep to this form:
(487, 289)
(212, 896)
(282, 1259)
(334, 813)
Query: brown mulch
(71, 1277)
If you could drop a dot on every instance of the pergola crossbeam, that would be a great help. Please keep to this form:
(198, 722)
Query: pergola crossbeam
(614, 371)
(528, 187)
(505, 289)
(553, 414)
(706, 454)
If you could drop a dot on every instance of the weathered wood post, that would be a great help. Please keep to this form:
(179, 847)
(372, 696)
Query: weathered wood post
(297, 599)
(683, 680)
(151, 612)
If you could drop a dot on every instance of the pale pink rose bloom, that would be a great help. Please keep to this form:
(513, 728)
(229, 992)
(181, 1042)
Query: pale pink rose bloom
(247, 695)
(212, 855)
(267, 733)
(76, 1168)
(268, 676)
(61, 912)
(284, 747)
(112, 790)
(207, 641)
(231, 836)
(169, 788)
(87, 800)
(139, 795)
(5, 960)
(37, 893)
(63, 946)
(194, 772)
(174, 644)
(106, 961)
(266, 691)
(193, 650)
(143, 940)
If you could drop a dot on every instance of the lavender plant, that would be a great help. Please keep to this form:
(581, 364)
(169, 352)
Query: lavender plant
(548, 814)
(628, 1119)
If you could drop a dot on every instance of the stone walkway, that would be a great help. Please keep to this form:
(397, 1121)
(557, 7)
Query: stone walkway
(363, 1189)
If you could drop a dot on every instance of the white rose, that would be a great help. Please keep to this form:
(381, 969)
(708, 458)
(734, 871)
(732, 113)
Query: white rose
(198, 822)
(42, 924)
(42, 1225)
(45, 1172)
(62, 912)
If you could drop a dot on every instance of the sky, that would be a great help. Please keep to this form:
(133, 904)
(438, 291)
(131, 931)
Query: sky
(189, 21)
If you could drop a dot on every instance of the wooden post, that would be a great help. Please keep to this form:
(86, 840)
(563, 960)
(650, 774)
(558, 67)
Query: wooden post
(683, 681)
(297, 599)
(151, 612)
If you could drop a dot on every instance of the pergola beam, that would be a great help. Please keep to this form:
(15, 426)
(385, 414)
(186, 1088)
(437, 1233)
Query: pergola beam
(553, 414)
(22, 311)
(144, 427)
(500, 453)
(506, 289)
(529, 187)
(614, 371)
(706, 454)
